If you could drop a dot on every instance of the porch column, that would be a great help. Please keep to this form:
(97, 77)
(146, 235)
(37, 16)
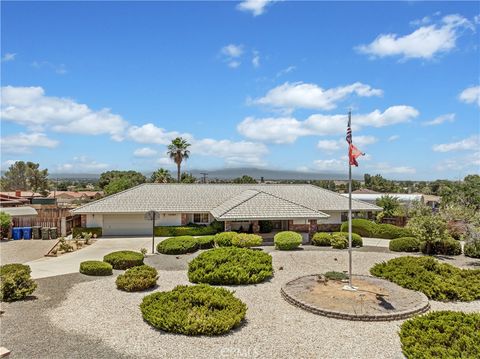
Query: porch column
(83, 220)
(228, 226)
(63, 226)
(184, 219)
(290, 225)
(255, 227)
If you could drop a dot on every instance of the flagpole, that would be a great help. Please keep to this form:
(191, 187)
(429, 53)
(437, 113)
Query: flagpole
(350, 286)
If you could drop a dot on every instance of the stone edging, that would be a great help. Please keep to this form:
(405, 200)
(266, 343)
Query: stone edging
(419, 309)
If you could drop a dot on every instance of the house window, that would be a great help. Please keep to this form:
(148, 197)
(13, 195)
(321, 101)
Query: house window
(200, 218)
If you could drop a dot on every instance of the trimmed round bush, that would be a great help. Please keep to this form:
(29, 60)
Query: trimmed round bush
(404, 244)
(137, 278)
(97, 268)
(287, 240)
(124, 259)
(246, 240)
(15, 282)
(441, 335)
(437, 280)
(322, 239)
(178, 245)
(205, 242)
(389, 231)
(194, 310)
(224, 239)
(230, 265)
(448, 246)
(472, 249)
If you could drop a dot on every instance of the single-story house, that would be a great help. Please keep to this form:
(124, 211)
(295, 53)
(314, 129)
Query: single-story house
(298, 207)
(71, 196)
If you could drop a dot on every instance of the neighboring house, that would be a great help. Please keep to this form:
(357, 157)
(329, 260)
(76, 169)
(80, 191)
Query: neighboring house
(302, 208)
(405, 199)
(72, 196)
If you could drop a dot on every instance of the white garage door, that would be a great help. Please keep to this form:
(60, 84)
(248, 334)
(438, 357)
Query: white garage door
(126, 225)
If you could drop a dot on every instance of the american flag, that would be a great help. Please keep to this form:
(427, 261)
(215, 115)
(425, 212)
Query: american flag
(349, 129)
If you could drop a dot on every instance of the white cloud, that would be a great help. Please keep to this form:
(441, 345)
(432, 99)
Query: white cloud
(449, 117)
(330, 165)
(470, 95)
(256, 59)
(393, 138)
(288, 129)
(58, 69)
(425, 42)
(25, 142)
(8, 57)
(387, 168)
(82, 164)
(472, 161)
(30, 107)
(149, 133)
(341, 143)
(232, 53)
(286, 70)
(145, 152)
(256, 7)
(470, 143)
(311, 96)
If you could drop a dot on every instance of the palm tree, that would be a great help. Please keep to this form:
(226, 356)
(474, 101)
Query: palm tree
(161, 176)
(178, 151)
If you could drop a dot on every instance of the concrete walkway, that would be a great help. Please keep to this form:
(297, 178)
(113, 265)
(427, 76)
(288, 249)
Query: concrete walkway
(70, 262)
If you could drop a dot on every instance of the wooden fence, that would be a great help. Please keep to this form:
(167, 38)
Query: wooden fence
(49, 216)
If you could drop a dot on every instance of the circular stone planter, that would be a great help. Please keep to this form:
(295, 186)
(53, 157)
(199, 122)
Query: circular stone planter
(375, 300)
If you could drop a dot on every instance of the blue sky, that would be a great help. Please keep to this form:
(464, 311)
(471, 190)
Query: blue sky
(88, 87)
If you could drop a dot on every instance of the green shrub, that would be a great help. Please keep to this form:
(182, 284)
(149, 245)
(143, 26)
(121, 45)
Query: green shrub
(175, 231)
(245, 240)
(336, 275)
(472, 249)
(98, 268)
(438, 281)
(325, 239)
(448, 246)
(322, 239)
(441, 335)
(5, 223)
(404, 244)
(287, 240)
(15, 282)
(230, 265)
(137, 278)
(178, 245)
(338, 241)
(366, 228)
(357, 240)
(194, 310)
(224, 239)
(205, 242)
(265, 226)
(77, 231)
(124, 259)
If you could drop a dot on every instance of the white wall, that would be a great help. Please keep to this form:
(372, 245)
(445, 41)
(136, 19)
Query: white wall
(335, 218)
(169, 219)
(94, 220)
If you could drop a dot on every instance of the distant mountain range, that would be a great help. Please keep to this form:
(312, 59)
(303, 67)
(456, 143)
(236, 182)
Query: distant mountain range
(230, 173)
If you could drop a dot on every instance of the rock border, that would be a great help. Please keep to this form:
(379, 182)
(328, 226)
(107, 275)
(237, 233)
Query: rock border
(422, 307)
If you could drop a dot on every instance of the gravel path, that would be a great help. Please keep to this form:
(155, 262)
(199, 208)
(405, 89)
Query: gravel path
(22, 251)
(274, 328)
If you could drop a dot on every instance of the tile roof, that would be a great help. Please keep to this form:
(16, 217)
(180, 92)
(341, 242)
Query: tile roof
(190, 198)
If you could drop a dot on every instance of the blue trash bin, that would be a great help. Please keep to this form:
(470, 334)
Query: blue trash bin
(27, 232)
(17, 233)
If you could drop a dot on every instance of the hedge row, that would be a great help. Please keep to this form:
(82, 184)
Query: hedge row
(15, 282)
(338, 240)
(174, 231)
(95, 231)
(366, 228)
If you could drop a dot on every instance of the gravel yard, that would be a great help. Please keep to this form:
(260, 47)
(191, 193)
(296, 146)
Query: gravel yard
(274, 328)
(23, 251)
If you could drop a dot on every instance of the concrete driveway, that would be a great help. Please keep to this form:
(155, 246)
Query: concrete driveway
(70, 262)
